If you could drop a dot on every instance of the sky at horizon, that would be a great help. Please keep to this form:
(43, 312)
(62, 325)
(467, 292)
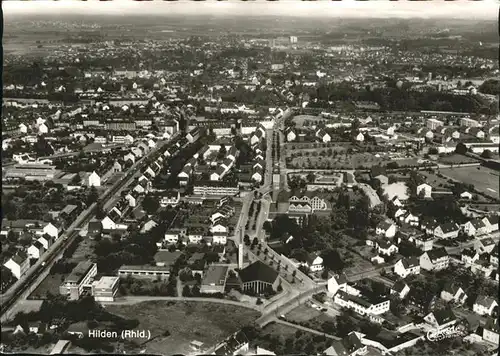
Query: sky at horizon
(461, 9)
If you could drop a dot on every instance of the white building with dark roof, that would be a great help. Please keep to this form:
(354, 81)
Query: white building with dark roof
(18, 264)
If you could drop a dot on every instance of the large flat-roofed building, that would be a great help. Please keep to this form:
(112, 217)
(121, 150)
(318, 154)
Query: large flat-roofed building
(214, 280)
(120, 125)
(81, 277)
(41, 172)
(104, 290)
(145, 272)
(434, 123)
(468, 122)
(215, 188)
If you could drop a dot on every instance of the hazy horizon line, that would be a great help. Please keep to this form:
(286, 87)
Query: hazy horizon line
(435, 9)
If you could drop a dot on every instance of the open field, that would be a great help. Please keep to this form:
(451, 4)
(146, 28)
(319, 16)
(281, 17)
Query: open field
(484, 179)
(435, 181)
(456, 158)
(279, 330)
(398, 189)
(300, 119)
(302, 313)
(353, 161)
(84, 251)
(49, 285)
(206, 322)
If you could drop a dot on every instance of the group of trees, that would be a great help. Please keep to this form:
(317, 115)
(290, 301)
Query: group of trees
(402, 98)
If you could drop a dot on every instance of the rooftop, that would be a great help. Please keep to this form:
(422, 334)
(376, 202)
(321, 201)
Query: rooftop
(215, 275)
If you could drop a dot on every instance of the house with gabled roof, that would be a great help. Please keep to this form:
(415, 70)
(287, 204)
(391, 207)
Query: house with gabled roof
(401, 289)
(313, 262)
(453, 292)
(386, 248)
(491, 331)
(469, 256)
(53, 229)
(491, 223)
(350, 345)
(218, 174)
(46, 240)
(475, 227)
(132, 198)
(485, 305)
(428, 225)
(447, 231)
(386, 228)
(323, 136)
(407, 266)
(441, 319)
(494, 256)
(290, 134)
(36, 250)
(435, 259)
(18, 264)
(424, 190)
(256, 137)
(485, 245)
(257, 174)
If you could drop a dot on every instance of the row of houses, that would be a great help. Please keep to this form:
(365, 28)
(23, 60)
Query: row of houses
(45, 236)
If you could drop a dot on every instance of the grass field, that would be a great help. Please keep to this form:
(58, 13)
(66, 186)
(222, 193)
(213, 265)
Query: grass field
(302, 313)
(398, 189)
(484, 179)
(455, 158)
(50, 284)
(84, 251)
(352, 161)
(435, 181)
(206, 322)
(299, 120)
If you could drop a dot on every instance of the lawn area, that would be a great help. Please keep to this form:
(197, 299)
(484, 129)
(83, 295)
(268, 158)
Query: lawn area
(456, 158)
(300, 119)
(352, 161)
(50, 284)
(209, 323)
(302, 313)
(484, 179)
(84, 251)
(435, 181)
(279, 330)
(398, 189)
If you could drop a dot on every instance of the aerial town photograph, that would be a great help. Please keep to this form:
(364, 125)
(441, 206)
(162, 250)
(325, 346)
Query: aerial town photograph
(250, 178)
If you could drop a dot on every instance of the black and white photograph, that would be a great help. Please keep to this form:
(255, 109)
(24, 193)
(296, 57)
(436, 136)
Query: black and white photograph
(250, 178)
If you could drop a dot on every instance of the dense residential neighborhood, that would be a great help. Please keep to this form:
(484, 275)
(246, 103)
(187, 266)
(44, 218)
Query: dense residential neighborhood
(204, 188)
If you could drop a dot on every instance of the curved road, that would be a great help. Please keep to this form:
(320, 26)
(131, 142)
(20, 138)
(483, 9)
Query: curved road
(139, 299)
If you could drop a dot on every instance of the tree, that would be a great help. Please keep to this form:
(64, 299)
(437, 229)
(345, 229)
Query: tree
(195, 291)
(332, 260)
(461, 148)
(186, 291)
(222, 152)
(99, 212)
(267, 227)
(246, 240)
(150, 204)
(93, 196)
(487, 154)
(311, 177)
